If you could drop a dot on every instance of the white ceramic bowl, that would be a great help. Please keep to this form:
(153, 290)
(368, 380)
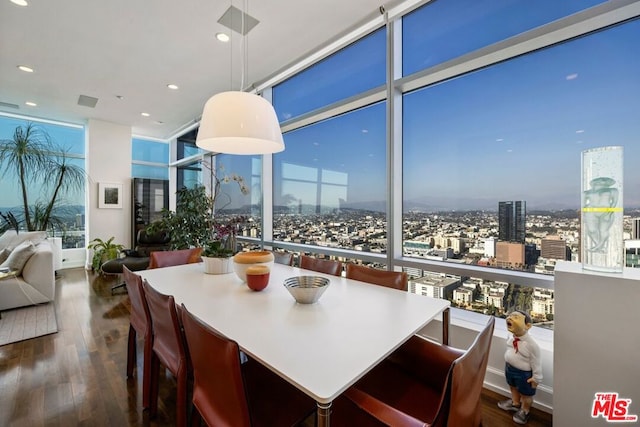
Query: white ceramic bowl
(244, 260)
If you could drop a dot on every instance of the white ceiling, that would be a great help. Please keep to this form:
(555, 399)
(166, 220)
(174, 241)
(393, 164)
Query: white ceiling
(134, 48)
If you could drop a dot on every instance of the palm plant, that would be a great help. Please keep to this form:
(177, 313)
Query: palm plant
(34, 158)
(10, 222)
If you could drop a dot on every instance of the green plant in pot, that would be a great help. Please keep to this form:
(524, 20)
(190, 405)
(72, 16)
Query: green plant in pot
(222, 243)
(219, 250)
(192, 224)
(103, 251)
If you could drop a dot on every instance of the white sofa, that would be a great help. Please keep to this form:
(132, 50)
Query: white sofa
(36, 282)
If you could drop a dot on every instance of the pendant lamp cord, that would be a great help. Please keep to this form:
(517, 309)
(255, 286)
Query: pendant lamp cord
(245, 46)
(231, 51)
(244, 49)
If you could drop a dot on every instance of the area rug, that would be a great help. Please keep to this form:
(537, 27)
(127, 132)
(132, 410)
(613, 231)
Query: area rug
(28, 322)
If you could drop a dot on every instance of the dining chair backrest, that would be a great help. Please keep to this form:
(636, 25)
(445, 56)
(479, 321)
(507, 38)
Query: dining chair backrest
(159, 259)
(285, 258)
(169, 348)
(321, 265)
(139, 324)
(467, 379)
(389, 279)
(139, 317)
(445, 382)
(168, 341)
(218, 390)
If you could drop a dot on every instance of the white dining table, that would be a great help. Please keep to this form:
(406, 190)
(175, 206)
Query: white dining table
(322, 348)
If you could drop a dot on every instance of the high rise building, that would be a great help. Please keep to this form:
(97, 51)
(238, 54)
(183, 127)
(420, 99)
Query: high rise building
(511, 221)
(635, 229)
(553, 247)
(510, 254)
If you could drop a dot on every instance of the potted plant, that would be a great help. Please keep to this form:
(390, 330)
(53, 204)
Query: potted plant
(217, 259)
(193, 223)
(103, 251)
(219, 249)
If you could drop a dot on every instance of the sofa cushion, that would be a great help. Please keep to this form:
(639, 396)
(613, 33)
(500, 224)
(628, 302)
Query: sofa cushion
(34, 236)
(6, 238)
(19, 256)
(4, 254)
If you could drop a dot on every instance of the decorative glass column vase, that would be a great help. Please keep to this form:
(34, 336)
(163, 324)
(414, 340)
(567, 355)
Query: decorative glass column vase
(601, 215)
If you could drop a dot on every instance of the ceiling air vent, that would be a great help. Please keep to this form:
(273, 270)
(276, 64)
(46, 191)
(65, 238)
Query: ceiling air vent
(87, 101)
(8, 105)
(232, 19)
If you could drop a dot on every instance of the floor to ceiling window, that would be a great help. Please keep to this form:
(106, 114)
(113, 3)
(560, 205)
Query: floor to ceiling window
(350, 71)
(150, 159)
(189, 173)
(330, 183)
(508, 138)
(240, 191)
(68, 215)
(490, 110)
(443, 29)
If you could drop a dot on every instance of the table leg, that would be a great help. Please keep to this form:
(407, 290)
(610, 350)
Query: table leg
(445, 326)
(322, 414)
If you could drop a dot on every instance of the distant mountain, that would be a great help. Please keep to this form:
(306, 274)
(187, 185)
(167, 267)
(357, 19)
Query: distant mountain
(67, 212)
(375, 206)
(453, 203)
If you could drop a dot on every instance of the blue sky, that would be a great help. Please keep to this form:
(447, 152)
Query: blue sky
(515, 131)
(70, 138)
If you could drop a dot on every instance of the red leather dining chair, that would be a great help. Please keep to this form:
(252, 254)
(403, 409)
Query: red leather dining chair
(285, 258)
(321, 265)
(227, 392)
(161, 259)
(139, 323)
(169, 349)
(390, 279)
(423, 384)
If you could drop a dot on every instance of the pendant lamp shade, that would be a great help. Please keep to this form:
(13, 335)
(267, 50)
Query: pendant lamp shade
(237, 122)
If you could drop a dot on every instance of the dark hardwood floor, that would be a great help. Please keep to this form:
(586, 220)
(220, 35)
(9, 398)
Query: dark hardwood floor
(76, 377)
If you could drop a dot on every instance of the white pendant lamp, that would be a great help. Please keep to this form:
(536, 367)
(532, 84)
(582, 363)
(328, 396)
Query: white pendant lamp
(237, 122)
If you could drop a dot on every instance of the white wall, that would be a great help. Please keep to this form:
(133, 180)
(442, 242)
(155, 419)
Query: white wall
(597, 343)
(108, 159)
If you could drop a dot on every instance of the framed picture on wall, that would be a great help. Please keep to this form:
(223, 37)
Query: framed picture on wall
(109, 195)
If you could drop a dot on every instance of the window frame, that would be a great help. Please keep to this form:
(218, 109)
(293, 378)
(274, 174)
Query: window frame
(577, 25)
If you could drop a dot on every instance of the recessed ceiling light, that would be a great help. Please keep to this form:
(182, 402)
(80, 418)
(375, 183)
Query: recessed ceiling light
(31, 104)
(120, 97)
(20, 2)
(25, 68)
(222, 37)
(145, 114)
(172, 86)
